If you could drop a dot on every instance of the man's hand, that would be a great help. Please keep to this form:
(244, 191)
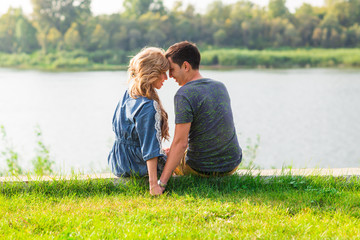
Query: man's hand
(177, 150)
(156, 190)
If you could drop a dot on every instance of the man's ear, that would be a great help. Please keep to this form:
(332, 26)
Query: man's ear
(187, 66)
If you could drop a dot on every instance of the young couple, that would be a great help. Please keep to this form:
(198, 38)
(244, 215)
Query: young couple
(205, 141)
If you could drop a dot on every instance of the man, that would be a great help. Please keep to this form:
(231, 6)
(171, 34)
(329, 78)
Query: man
(204, 121)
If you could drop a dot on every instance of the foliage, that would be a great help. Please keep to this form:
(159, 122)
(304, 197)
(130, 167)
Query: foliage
(118, 59)
(9, 154)
(68, 24)
(249, 154)
(42, 162)
(282, 58)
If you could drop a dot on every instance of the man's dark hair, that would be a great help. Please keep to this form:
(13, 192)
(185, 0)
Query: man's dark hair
(184, 51)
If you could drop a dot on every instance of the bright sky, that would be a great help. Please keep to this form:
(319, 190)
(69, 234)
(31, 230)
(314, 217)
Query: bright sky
(108, 6)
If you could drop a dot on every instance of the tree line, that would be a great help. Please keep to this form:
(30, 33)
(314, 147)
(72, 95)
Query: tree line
(68, 25)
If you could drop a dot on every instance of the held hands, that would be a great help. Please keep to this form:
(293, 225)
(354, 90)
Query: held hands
(166, 150)
(156, 190)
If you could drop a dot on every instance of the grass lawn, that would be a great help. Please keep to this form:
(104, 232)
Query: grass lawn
(235, 207)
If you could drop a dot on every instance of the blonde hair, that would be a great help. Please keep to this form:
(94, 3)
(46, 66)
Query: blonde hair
(145, 68)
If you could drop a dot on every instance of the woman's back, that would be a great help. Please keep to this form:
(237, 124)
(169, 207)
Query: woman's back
(137, 127)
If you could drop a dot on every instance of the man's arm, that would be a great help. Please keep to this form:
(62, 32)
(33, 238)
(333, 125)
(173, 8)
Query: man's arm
(177, 150)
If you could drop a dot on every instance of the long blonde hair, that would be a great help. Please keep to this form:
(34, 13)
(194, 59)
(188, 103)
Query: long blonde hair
(145, 68)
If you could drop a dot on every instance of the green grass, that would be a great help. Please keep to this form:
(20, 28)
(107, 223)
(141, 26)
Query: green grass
(79, 60)
(66, 61)
(302, 57)
(235, 207)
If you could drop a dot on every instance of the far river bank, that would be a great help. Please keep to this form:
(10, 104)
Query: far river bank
(212, 59)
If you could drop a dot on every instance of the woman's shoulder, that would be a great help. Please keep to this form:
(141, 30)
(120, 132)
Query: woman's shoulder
(139, 100)
(140, 105)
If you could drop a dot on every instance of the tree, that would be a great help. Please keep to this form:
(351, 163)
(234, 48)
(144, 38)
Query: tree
(99, 38)
(218, 12)
(306, 22)
(317, 36)
(72, 37)
(8, 21)
(53, 38)
(120, 39)
(353, 36)
(60, 14)
(354, 11)
(136, 8)
(134, 39)
(256, 30)
(331, 30)
(220, 37)
(291, 36)
(25, 35)
(157, 6)
(277, 8)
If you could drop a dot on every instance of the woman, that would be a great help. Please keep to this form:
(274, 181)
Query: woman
(140, 122)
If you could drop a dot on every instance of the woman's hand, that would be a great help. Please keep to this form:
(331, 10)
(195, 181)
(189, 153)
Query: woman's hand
(156, 190)
(166, 150)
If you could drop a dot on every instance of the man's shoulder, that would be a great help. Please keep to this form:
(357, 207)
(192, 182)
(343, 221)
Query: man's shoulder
(196, 85)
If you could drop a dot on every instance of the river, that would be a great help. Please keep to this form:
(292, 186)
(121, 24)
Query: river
(304, 117)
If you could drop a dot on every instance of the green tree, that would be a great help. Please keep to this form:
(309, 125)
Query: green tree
(59, 14)
(331, 30)
(119, 39)
(239, 12)
(306, 22)
(291, 36)
(256, 30)
(8, 21)
(317, 37)
(99, 38)
(353, 36)
(151, 26)
(157, 6)
(136, 8)
(53, 39)
(220, 37)
(135, 39)
(277, 8)
(26, 36)
(72, 37)
(354, 11)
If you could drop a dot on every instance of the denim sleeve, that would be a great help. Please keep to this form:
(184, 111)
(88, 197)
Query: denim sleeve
(147, 124)
(183, 110)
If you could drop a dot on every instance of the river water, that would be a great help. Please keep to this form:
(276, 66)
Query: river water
(304, 117)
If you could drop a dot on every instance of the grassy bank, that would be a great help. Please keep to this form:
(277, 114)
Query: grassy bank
(118, 60)
(283, 58)
(67, 61)
(240, 207)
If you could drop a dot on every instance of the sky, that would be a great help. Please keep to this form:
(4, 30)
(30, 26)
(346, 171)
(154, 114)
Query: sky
(108, 6)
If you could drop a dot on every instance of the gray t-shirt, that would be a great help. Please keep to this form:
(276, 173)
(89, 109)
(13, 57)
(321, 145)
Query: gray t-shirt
(213, 144)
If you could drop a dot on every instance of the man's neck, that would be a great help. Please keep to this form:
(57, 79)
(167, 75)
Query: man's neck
(194, 75)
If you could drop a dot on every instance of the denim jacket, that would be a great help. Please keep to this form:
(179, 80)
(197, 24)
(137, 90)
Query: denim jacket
(137, 128)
